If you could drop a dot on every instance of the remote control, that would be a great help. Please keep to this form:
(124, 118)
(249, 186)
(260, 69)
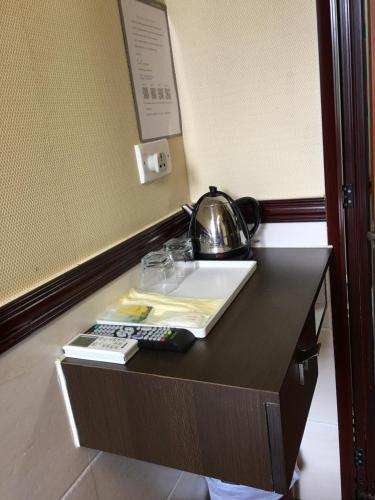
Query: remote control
(109, 349)
(164, 338)
(174, 339)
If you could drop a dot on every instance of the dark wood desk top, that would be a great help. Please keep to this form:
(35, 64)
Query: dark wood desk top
(253, 343)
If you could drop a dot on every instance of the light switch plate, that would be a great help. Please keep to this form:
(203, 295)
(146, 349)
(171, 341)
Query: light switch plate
(153, 160)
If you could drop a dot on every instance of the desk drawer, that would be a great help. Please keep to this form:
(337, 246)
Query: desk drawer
(235, 434)
(208, 429)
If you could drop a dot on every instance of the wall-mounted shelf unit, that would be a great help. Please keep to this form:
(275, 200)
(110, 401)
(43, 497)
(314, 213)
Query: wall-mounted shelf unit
(235, 405)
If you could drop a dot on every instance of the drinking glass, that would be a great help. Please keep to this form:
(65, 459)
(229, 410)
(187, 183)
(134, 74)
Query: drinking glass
(158, 273)
(181, 251)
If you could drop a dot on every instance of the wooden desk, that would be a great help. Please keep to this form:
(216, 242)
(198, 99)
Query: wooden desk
(235, 405)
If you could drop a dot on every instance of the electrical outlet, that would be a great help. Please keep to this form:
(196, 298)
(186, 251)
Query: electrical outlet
(153, 160)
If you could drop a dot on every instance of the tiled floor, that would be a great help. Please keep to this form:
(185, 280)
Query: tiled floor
(190, 486)
(111, 477)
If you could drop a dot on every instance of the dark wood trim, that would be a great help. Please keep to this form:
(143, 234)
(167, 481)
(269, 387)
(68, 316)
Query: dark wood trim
(370, 419)
(24, 315)
(294, 210)
(355, 142)
(331, 123)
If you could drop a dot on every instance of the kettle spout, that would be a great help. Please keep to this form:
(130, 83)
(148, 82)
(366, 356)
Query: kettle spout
(188, 209)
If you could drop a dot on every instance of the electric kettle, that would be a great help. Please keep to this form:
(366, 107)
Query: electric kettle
(217, 227)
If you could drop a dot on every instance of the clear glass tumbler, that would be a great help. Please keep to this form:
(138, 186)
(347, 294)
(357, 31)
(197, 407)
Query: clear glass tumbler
(158, 273)
(181, 251)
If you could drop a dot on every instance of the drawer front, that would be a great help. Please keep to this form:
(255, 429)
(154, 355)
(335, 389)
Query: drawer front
(287, 420)
(207, 429)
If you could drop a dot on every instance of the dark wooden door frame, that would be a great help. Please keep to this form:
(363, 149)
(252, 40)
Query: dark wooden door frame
(331, 124)
(356, 173)
(345, 140)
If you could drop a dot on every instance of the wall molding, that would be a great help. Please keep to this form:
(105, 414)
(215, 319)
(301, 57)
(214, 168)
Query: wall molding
(35, 309)
(294, 210)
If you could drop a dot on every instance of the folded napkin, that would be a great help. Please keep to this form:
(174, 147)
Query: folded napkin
(164, 309)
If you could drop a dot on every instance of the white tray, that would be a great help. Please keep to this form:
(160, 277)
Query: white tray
(217, 280)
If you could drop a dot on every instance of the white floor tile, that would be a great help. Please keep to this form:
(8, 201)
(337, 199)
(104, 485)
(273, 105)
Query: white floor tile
(319, 463)
(83, 488)
(324, 404)
(190, 487)
(121, 478)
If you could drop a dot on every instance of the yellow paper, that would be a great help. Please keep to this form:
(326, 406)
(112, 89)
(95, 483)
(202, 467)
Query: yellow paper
(172, 310)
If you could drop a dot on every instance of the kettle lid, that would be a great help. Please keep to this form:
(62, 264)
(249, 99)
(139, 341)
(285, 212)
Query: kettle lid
(214, 198)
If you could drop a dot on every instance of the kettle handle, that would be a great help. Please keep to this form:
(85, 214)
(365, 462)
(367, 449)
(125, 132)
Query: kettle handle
(247, 200)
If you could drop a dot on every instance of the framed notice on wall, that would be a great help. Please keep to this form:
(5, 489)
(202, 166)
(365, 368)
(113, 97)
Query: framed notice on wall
(148, 48)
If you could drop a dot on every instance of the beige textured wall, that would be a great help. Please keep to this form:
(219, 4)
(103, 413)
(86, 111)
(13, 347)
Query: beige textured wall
(248, 79)
(68, 178)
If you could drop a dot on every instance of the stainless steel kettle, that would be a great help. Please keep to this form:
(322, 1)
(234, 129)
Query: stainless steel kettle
(217, 227)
